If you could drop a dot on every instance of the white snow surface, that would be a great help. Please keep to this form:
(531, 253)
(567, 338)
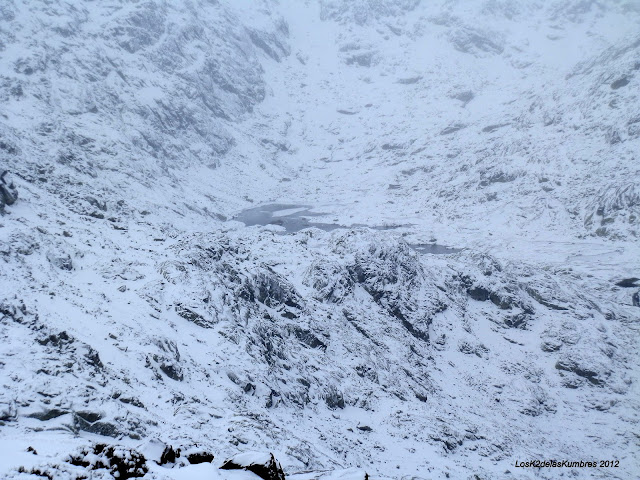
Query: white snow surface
(135, 312)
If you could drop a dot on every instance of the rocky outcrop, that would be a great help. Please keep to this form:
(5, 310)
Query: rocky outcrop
(185, 455)
(592, 375)
(123, 463)
(264, 465)
(8, 192)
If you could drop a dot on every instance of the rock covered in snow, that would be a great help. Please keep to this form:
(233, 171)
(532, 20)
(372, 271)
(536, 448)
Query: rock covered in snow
(264, 465)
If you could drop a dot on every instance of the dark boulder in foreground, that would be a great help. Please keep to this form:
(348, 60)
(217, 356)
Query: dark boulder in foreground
(122, 462)
(199, 456)
(262, 464)
(193, 455)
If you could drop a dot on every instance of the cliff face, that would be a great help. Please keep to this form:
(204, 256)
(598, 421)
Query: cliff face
(135, 312)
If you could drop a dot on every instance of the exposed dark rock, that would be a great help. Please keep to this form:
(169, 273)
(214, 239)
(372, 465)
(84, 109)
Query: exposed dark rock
(123, 463)
(332, 282)
(464, 97)
(132, 401)
(308, 338)
(90, 422)
(193, 455)
(542, 301)
(353, 320)
(96, 203)
(633, 127)
(172, 371)
(391, 275)
(199, 457)
(269, 44)
(273, 291)
(498, 177)
(90, 417)
(409, 81)
(168, 362)
(504, 302)
(59, 340)
(366, 371)
(448, 438)
(421, 396)
(63, 262)
(8, 147)
(169, 455)
(281, 146)
(140, 29)
(48, 414)
(193, 317)
(628, 282)
(8, 412)
(8, 192)
(392, 146)
(452, 129)
(365, 59)
(479, 293)
(38, 472)
(334, 399)
(274, 399)
(551, 346)
(519, 320)
(267, 468)
(613, 136)
(472, 349)
(493, 128)
(635, 299)
(471, 41)
(82, 355)
(621, 82)
(93, 358)
(571, 366)
(411, 328)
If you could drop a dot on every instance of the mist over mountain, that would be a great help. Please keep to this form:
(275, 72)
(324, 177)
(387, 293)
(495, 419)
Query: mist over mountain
(392, 237)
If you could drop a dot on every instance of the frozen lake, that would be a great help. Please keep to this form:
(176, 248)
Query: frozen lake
(295, 217)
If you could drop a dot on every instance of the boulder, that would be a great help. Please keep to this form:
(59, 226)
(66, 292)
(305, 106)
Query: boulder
(123, 463)
(193, 455)
(8, 192)
(262, 464)
(628, 282)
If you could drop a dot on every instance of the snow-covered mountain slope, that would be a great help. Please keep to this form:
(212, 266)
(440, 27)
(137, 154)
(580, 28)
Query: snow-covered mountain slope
(134, 311)
(484, 114)
(133, 100)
